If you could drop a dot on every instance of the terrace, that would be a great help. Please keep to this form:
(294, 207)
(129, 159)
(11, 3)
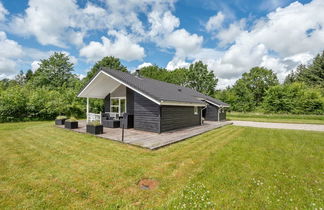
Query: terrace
(152, 140)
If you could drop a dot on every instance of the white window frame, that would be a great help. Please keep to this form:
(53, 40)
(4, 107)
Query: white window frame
(119, 104)
(195, 110)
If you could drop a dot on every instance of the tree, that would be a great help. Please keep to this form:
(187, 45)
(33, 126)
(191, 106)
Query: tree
(243, 100)
(154, 72)
(312, 75)
(20, 78)
(200, 79)
(258, 80)
(54, 72)
(29, 74)
(177, 76)
(295, 76)
(108, 62)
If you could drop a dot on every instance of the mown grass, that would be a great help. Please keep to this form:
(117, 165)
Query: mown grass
(280, 118)
(42, 166)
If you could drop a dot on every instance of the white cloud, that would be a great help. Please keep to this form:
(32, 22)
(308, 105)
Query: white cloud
(177, 63)
(3, 12)
(47, 20)
(302, 58)
(9, 51)
(183, 42)
(81, 76)
(285, 38)
(228, 36)
(60, 23)
(122, 47)
(35, 65)
(215, 22)
(9, 48)
(63, 22)
(144, 65)
(7, 66)
(162, 23)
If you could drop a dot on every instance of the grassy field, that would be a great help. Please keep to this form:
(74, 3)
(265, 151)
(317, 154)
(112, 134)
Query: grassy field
(233, 167)
(283, 118)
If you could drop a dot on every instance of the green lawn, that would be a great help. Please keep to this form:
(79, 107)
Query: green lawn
(42, 166)
(281, 118)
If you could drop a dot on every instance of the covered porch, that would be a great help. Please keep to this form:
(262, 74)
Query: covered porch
(152, 140)
(114, 95)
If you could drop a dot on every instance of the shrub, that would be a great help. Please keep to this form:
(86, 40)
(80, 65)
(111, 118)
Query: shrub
(72, 119)
(94, 123)
(13, 104)
(61, 117)
(294, 98)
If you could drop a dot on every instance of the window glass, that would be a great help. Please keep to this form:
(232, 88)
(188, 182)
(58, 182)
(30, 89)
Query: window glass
(122, 105)
(115, 109)
(114, 102)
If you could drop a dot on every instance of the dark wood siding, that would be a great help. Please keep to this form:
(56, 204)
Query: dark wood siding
(174, 117)
(211, 113)
(146, 114)
(107, 103)
(130, 101)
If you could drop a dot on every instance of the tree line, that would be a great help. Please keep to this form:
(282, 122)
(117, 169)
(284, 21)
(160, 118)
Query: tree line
(52, 89)
(259, 90)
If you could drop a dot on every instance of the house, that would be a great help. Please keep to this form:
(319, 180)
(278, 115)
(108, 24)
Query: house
(155, 106)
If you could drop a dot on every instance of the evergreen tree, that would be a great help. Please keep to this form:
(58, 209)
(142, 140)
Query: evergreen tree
(29, 75)
(312, 75)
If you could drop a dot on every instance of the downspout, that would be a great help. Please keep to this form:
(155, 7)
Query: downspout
(218, 113)
(201, 121)
(87, 110)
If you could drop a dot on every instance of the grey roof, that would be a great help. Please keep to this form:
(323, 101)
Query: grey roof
(162, 91)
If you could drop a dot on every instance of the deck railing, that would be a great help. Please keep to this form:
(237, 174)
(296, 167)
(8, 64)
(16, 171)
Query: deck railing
(93, 117)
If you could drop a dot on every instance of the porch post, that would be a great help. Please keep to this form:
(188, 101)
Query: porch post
(218, 112)
(87, 109)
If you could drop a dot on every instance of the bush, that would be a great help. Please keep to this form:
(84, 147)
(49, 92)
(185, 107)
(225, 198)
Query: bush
(18, 103)
(61, 117)
(13, 104)
(94, 123)
(294, 98)
(72, 119)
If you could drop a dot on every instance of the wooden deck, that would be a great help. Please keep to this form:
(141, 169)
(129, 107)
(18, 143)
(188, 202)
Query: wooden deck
(152, 140)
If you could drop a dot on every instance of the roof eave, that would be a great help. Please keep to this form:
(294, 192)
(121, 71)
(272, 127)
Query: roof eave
(218, 105)
(179, 103)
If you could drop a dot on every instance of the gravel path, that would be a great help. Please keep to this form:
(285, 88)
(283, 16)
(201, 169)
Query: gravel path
(308, 127)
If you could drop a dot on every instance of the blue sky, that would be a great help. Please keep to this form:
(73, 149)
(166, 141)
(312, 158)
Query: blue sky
(229, 36)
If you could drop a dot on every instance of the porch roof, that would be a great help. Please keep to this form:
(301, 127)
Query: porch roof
(99, 86)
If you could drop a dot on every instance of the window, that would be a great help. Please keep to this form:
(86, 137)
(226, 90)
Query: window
(195, 110)
(118, 105)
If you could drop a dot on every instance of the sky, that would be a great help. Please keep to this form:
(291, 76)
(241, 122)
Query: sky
(229, 36)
